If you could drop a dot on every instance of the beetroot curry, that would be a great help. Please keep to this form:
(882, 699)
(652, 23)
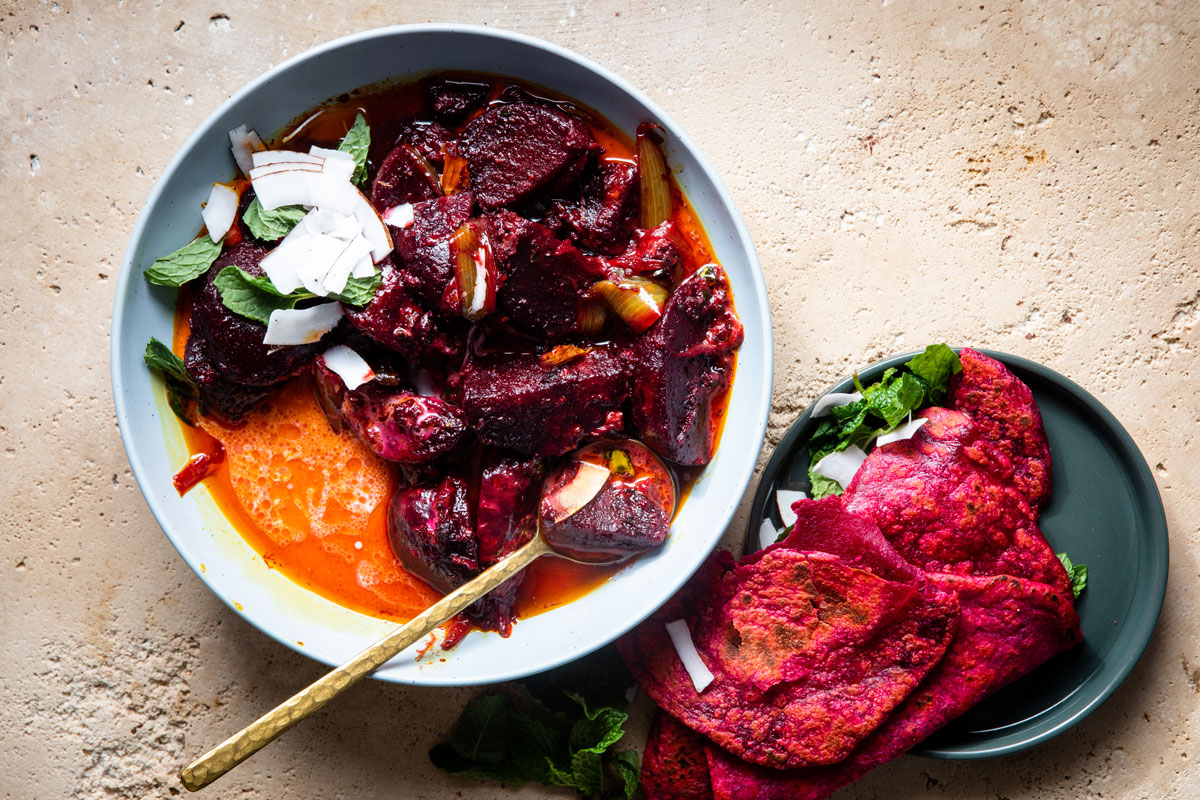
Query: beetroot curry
(517, 319)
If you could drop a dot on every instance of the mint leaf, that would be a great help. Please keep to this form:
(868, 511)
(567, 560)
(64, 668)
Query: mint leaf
(445, 758)
(359, 291)
(936, 366)
(250, 296)
(182, 391)
(271, 225)
(484, 730)
(160, 357)
(187, 263)
(628, 767)
(1076, 572)
(357, 142)
(885, 404)
(512, 741)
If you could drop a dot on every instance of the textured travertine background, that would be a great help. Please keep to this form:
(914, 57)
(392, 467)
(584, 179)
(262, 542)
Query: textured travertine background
(994, 173)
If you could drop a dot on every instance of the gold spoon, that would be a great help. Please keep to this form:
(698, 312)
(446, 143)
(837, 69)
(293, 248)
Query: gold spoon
(581, 482)
(248, 741)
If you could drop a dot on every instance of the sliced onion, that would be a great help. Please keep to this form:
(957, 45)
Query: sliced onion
(767, 534)
(220, 210)
(681, 637)
(842, 465)
(593, 312)
(638, 301)
(834, 400)
(475, 270)
(349, 366)
(587, 482)
(562, 354)
(296, 326)
(652, 171)
(455, 177)
(902, 432)
(784, 499)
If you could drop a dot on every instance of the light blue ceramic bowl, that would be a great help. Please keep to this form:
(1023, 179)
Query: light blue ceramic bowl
(219, 556)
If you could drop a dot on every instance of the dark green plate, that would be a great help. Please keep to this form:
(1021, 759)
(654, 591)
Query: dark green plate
(1104, 511)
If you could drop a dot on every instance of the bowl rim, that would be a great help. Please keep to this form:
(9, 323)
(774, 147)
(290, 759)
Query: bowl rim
(1156, 537)
(741, 241)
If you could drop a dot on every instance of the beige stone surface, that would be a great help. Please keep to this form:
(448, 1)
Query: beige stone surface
(1015, 175)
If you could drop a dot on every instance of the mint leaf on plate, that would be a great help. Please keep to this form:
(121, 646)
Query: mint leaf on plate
(357, 142)
(1076, 572)
(936, 366)
(271, 225)
(187, 263)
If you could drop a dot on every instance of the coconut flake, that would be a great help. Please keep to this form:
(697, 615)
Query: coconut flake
(784, 499)
(282, 187)
(267, 157)
(842, 465)
(767, 534)
(296, 326)
(373, 228)
(583, 487)
(833, 400)
(902, 432)
(323, 252)
(354, 252)
(400, 216)
(349, 366)
(681, 637)
(242, 148)
(256, 142)
(335, 162)
(220, 210)
(365, 268)
(332, 191)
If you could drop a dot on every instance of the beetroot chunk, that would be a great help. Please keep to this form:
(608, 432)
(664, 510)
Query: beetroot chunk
(404, 177)
(396, 424)
(520, 402)
(544, 279)
(396, 320)
(524, 150)
(429, 528)
(427, 138)
(423, 248)
(682, 367)
(506, 518)
(452, 101)
(219, 396)
(653, 253)
(507, 514)
(235, 343)
(604, 218)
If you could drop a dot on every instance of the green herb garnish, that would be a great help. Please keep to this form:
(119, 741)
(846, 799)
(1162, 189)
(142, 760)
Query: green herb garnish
(182, 391)
(272, 225)
(255, 297)
(187, 263)
(357, 142)
(549, 734)
(1076, 572)
(920, 383)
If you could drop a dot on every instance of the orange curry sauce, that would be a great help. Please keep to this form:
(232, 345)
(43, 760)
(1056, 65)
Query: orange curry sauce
(312, 502)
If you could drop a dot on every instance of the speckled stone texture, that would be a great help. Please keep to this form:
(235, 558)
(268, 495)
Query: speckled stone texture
(1020, 176)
